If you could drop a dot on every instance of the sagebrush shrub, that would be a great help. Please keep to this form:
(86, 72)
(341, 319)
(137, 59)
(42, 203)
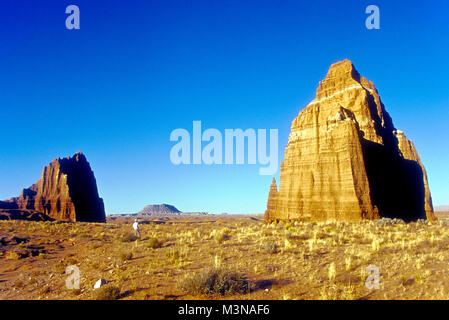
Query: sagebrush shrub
(271, 247)
(154, 243)
(128, 237)
(108, 292)
(215, 281)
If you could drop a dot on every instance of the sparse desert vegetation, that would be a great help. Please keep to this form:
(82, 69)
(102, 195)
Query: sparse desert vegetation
(224, 257)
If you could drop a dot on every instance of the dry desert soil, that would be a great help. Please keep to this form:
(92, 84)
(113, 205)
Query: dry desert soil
(300, 260)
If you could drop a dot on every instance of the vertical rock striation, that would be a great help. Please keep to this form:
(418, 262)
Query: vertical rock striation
(346, 161)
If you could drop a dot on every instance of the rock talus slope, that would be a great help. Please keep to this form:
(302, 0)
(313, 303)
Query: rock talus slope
(346, 161)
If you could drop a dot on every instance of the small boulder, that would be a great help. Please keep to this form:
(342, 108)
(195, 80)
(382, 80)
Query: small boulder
(99, 283)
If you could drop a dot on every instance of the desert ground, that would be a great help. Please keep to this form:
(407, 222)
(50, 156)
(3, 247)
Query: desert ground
(174, 257)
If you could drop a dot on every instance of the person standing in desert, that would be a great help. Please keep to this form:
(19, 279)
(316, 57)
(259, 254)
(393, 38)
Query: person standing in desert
(136, 227)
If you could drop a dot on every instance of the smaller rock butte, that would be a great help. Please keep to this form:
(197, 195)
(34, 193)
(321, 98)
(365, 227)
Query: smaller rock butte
(66, 191)
(345, 161)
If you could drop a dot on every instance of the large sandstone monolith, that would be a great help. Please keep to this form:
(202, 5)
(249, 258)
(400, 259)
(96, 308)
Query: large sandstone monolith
(345, 161)
(67, 191)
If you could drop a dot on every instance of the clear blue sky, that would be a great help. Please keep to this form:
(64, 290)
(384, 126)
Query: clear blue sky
(136, 70)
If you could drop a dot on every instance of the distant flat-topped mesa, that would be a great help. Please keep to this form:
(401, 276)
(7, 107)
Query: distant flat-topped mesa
(67, 191)
(159, 209)
(345, 161)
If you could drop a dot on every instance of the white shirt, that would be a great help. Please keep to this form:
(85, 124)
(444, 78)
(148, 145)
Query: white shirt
(136, 225)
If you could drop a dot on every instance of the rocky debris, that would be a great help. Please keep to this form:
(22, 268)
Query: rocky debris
(345, 161)
(12, 240)
(30, 215)
(22, 252)
(67, 191)
(443, 222)
(14, 248)
(388, 221)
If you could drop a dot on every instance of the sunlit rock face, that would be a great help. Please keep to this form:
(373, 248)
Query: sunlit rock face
(345, 161)
(67, 191)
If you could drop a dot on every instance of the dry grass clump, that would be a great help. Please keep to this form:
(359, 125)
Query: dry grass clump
(214, 281)
(126, 256)
(84, 235)
(220, 235)
(338, 292)
(128, 237)
(75, 292)
(13, 255)
(59, 267)
(177, 257)
(332, 273)
(18, 284)
(154, 243)
(271, 247)
(46, 290)
(108, 292)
